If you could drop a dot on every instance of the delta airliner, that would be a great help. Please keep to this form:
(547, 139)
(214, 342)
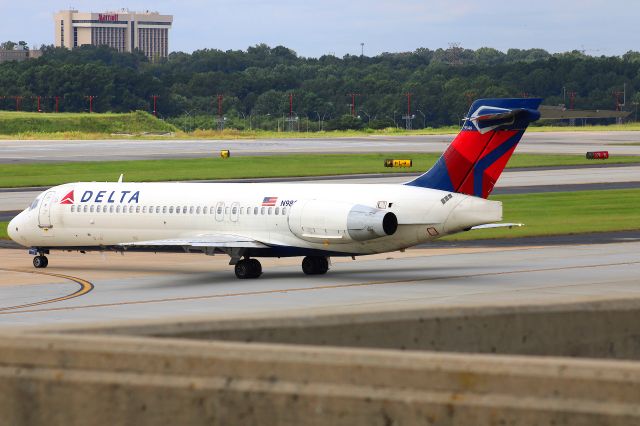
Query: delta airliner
(247, 221)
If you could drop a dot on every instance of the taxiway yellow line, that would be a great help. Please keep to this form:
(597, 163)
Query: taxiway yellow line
(315, 288)
(85, 287)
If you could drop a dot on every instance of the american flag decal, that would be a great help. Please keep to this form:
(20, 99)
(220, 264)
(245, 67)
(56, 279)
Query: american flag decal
(269, 201)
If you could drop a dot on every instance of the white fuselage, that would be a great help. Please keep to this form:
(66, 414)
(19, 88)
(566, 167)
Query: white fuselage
(308, 216)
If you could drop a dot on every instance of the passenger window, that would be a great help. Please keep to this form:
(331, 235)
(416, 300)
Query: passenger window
(262, 210)
(248, 210)
(198, 210)
(91, 209)
(255, 210)
(164, 209)
(137, 209)
(111, 208)
(284, 211)
(277, 210)
(144, 209)
(117, 209)
(86, 208)
(270, 210)
(171, 209)
(184, 210)
(98, 208)
(241, 210)
(130, 209)
(234, 210)
(191, 210)
(73, 209)
(219, 210)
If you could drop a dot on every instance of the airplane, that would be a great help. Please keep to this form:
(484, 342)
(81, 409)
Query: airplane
(316, 221)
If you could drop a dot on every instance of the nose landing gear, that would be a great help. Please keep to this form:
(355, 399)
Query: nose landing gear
(40, 261)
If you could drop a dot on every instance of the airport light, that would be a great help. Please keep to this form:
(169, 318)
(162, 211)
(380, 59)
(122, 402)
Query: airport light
(368, 116)
(91, 98)
(424, 119)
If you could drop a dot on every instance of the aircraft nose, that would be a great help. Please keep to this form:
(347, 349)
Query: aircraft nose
(14, 228)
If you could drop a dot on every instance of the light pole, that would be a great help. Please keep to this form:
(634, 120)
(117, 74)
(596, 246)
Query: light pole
(424, 120)
(368, 116)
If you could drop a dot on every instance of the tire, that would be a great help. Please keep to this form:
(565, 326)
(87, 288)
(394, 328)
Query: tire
(315, 265)
(243, 270)
(40, 262)
(255, 267)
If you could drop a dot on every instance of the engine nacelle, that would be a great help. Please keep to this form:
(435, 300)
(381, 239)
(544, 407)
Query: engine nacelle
(320, 221)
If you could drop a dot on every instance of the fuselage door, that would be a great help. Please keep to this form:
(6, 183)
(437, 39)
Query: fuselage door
(44, 214)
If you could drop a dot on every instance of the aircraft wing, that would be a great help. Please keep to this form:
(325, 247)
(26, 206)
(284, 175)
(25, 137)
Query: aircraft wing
(207, 240)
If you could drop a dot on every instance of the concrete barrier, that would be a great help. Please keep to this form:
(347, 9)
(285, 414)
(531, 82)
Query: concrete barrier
(98, 380)
(609, 329)
(339, 369)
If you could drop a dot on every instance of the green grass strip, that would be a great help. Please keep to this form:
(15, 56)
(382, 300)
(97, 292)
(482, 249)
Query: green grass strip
(562, 213)
(45, 174)
(3, 231)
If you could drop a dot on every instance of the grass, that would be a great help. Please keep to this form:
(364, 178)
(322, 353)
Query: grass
(46, 174)
(554, 214)
(64, 126)
(35, 125)
(562, 213)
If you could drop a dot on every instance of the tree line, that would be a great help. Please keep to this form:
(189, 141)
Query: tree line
(348, 92)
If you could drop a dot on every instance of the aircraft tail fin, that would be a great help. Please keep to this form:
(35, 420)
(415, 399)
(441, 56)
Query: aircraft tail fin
(475, 159)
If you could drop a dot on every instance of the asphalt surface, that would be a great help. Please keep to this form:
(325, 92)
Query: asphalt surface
(113, 287)
(61, 151)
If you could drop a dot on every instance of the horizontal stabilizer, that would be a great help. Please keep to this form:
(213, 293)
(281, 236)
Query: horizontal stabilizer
(498, 225)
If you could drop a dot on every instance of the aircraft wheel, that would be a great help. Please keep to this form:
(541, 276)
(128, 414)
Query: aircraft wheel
(248, 268)
(40, 262)
(256, 268)
(315, 265)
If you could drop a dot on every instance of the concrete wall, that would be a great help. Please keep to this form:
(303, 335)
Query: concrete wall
(74, 380)
(600, 329)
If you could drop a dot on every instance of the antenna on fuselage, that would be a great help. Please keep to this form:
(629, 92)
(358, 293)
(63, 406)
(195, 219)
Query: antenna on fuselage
(121, 178)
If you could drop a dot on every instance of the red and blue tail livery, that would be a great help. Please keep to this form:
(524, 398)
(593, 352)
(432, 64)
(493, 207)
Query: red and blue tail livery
(475, 159)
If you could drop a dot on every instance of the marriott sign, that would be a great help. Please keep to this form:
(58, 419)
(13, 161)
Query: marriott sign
(108, 17)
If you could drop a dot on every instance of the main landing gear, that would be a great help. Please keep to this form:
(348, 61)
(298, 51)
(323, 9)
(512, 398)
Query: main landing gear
(315, 265)
(248, 268)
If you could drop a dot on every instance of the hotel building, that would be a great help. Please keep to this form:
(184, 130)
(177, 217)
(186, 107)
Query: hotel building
(124, 31)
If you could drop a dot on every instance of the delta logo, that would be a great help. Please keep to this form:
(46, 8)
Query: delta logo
(103, 197)
(67, 199)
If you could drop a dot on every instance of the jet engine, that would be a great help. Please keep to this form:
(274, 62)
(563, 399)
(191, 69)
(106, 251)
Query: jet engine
(321, 221)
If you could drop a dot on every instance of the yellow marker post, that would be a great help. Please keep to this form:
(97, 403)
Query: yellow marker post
(225, 153)
(398, 163)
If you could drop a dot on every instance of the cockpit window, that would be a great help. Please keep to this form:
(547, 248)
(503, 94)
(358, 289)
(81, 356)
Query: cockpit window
(34, 204)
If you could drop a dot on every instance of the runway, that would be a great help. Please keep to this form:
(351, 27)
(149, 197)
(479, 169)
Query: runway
(112, 287)
(23, 151)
